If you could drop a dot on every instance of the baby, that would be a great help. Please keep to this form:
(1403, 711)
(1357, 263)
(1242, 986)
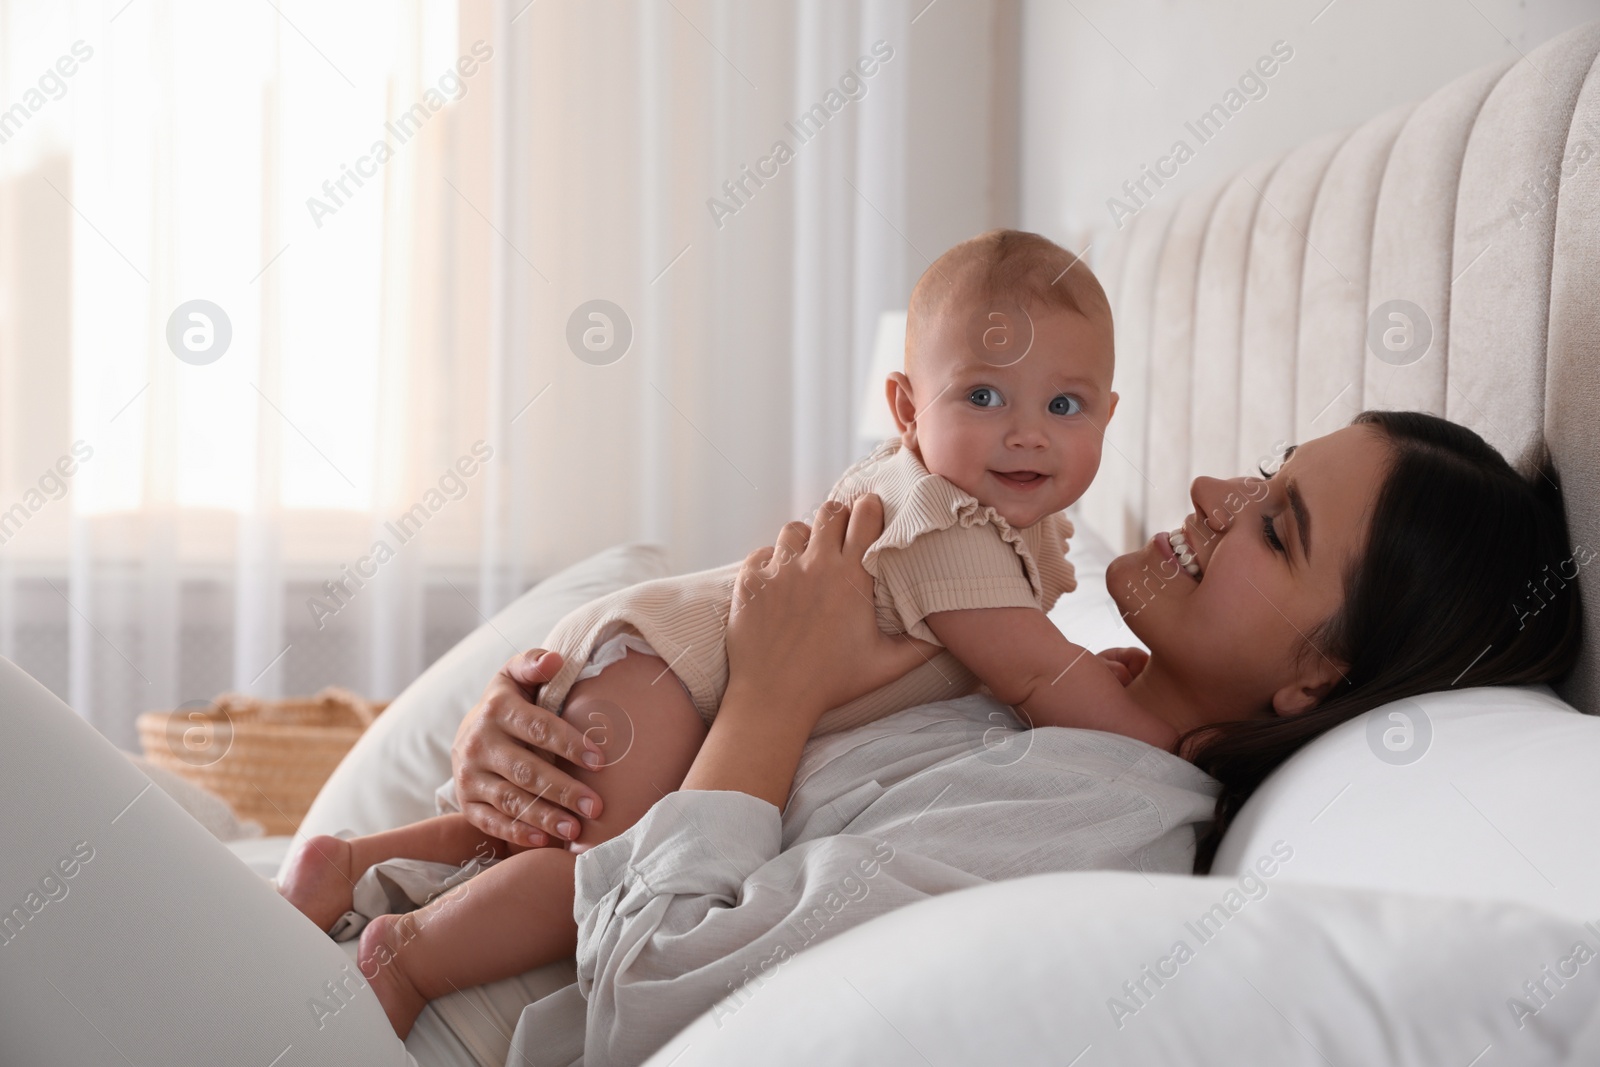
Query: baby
(1002, 408)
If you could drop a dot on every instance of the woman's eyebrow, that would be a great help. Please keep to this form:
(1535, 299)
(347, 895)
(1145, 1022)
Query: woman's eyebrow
(1302, 518)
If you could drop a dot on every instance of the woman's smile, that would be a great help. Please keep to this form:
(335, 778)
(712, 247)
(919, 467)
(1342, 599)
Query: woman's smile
(1171, 558)
(1187, 557)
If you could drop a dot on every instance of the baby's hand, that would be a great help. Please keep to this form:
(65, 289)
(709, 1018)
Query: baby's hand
(1125, 663)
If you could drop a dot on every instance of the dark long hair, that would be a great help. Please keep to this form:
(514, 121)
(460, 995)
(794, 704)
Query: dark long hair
(1468, 579)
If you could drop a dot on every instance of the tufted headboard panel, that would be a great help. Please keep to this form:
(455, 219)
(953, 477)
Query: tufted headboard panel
(1243, 309)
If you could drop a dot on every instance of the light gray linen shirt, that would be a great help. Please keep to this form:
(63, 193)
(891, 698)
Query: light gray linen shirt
(711, 888)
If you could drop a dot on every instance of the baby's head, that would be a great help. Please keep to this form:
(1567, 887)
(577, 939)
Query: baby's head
(1007, 383)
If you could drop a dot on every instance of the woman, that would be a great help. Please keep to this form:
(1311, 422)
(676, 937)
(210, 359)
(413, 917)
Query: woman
(1382, 561)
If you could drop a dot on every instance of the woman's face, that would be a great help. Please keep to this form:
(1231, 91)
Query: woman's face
(1238, 641)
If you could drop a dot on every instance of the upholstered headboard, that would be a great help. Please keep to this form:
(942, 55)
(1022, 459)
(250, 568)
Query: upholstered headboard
(1243, 310)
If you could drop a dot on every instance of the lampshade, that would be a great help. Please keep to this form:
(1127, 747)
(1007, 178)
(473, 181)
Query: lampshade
(888, 354)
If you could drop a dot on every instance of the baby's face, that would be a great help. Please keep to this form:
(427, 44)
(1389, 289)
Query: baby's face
(1021, 433)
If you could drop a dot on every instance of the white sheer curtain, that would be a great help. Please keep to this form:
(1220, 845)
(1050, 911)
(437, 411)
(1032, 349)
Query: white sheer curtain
(400, 437)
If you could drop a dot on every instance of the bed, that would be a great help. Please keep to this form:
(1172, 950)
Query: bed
(1436, 905)
(1436, 902)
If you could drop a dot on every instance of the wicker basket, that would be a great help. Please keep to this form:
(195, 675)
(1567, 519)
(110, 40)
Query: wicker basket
(266, 758)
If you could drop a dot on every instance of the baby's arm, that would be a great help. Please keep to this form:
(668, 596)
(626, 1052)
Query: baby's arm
(1026, 662)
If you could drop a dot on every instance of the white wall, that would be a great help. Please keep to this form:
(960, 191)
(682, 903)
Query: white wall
(960, 116)
(1107, 85)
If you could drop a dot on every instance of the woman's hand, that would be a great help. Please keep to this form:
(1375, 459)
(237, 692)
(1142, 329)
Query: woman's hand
(506, 782)
(803, 637)
(803, 622)
(1125, 663)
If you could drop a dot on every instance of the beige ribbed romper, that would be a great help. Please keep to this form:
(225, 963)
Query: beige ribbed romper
(940, 550)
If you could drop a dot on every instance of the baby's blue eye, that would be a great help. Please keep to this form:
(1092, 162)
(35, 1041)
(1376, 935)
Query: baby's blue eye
(1065, 405)
(985, 397)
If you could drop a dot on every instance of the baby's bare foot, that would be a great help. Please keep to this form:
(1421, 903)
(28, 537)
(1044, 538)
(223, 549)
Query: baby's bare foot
(381, 957)
(318, 880)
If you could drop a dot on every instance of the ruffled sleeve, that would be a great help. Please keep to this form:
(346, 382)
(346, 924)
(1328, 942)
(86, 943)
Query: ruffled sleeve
(942, 550)
(1047, 540)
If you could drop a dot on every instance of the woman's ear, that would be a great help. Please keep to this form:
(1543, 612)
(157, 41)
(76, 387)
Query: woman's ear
(902, 407)
(1307, 691)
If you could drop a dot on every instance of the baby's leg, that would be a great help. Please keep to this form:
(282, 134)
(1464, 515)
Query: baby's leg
(511, 918)
(517, 915)
(647, 728)
(323, 874)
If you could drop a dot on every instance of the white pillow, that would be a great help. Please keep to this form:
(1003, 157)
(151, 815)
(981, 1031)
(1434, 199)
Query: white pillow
(1488, 792)
(264, 855)
(1046, 970)
(388, 778)
(207, 809)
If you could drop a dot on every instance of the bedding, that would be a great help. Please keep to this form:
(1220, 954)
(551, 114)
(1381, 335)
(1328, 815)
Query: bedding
(1121, 969)
(1485, 792)
(208, 809)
